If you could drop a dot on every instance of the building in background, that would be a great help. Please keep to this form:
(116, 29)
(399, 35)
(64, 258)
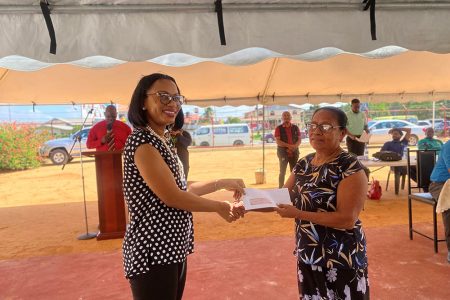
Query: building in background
(273, 116)
(56, 127)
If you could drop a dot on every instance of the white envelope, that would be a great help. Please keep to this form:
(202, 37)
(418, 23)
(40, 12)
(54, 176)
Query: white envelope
(256, 199)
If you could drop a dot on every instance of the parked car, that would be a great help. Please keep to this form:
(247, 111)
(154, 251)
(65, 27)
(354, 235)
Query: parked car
(424, 123)
(380, 131)
(437, 122)
(270, 138)
(223, 135)
(58, 149)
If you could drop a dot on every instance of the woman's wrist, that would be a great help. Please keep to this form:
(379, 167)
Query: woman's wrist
(217, 185)
(222, 206)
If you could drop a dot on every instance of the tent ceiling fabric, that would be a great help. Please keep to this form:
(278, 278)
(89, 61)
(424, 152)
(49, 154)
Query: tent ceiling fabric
(411, 76)
(144, 30)
(286, 51)
(240, 58)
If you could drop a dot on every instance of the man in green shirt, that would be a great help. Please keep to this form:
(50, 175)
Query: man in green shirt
(429, 142)
(357, 123)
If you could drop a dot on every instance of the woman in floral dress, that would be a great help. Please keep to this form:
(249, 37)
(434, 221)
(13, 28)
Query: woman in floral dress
(328, 189)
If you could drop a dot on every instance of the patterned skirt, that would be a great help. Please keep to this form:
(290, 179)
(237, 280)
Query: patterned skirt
(315, 282)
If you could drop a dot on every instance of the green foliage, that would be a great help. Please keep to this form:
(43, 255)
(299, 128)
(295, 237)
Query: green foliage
(310, 112)
(257, 136)
(75, 128)
(19, 146)
(207, 116)
(209, 113)
(422, 109)
(233, 120)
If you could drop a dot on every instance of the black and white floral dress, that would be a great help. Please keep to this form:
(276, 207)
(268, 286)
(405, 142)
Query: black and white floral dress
(157, 234)
(332, 263)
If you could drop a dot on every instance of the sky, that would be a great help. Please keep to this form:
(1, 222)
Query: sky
(43, 113)
(40, 113)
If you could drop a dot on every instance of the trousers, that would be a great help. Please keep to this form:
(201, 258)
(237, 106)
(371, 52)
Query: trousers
(161, 282)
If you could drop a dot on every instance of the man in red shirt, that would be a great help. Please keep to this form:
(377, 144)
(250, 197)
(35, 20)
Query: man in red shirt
(109, 134)
(288, 139)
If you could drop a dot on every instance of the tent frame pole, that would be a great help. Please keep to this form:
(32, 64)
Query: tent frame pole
(266, 88)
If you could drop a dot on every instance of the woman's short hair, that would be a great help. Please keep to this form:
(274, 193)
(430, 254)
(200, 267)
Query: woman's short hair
(136, 115)
(340, 115)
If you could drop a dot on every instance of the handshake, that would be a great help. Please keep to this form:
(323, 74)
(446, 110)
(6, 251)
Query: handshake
(231, 211)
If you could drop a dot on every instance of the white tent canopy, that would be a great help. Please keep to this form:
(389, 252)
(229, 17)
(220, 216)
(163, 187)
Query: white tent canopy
(411, 76)
(141, 30)
(283, 51)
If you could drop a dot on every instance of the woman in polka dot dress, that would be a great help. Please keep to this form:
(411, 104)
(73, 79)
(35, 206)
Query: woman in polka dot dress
(160, 234)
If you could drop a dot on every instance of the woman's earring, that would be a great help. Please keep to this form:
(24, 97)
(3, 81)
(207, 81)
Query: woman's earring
(143, 108)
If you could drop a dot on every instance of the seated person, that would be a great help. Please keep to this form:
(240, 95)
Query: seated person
(398, 145)
(429, 142)
(440, 174)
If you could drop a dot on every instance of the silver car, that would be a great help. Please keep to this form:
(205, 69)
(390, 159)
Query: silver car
(58, 149)
(380, 131)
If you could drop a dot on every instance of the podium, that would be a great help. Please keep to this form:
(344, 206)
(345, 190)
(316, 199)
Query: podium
(111, 204)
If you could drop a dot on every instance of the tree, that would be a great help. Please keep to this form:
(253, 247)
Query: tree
(233, 120)
(207, 116)
(209, 113)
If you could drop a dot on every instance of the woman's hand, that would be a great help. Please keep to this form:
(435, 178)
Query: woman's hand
(287, 211)
(235, 185)
(230, 211)
(238, 209)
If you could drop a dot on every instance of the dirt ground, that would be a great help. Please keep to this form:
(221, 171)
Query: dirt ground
(41, 210)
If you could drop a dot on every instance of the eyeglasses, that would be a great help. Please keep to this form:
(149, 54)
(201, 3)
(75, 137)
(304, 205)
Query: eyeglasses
(166, 98)
(324, 128)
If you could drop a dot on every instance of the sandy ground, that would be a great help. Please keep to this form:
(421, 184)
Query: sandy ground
(41, 210)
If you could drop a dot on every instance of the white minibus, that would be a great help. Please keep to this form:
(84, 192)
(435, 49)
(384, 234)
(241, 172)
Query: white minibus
(223, 135)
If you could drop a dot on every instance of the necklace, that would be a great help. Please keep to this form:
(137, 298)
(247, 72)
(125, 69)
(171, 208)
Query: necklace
(163, 140)
(171, 154)
(329, 157)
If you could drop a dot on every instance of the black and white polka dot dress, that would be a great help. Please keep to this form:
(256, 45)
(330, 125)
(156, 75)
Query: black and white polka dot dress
(157, 234)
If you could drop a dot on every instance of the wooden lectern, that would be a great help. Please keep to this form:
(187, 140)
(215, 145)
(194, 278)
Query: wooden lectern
(111, 204)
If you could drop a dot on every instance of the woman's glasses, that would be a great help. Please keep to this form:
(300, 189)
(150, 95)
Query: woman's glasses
(166, 98)
(324, 128)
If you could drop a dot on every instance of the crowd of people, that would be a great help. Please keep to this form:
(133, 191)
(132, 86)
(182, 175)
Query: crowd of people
(327, 190)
